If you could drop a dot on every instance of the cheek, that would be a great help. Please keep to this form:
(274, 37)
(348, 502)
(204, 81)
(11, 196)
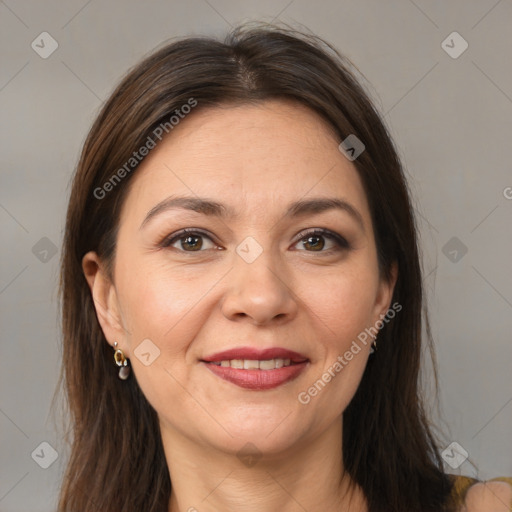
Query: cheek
(343, 305)
(343, 301)
(160, 306)
(157, 307)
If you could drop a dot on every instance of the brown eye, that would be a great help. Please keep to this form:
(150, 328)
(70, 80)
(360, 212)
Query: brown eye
(192, 241)
(314, 241)
(189, 241)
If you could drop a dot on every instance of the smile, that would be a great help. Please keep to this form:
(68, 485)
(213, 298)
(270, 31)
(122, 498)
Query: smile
(257, 375)
(252, 364)
(256, 368)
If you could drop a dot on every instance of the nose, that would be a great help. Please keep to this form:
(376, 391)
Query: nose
(260, 292)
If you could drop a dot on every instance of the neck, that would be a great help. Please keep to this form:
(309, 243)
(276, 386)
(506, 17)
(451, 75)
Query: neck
(306, 477)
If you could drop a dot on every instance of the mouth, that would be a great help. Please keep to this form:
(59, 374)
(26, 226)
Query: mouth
(256, 369)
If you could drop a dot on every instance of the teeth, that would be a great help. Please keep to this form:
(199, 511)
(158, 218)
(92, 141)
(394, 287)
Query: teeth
(267, 365)
(251, 364)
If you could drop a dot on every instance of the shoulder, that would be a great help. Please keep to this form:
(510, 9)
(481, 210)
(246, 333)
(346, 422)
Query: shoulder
(472, 495)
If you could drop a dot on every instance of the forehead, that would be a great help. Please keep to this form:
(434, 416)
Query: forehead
(255, 157)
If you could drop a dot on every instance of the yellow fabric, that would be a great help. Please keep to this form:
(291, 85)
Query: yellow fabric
(463, 483)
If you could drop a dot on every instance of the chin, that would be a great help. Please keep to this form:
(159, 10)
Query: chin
(257, 443)
(270, 434)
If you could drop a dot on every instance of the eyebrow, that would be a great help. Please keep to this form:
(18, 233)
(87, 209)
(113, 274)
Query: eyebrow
(213, 208)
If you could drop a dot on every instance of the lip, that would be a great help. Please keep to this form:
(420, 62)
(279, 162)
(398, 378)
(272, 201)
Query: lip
(256, 354)
(258, 379)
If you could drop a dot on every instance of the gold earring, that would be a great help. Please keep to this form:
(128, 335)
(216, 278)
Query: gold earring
(122, 362)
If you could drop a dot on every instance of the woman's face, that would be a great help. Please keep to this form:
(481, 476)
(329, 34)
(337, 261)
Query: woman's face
(249, 275)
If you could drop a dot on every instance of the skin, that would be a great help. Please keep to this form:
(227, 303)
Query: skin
(488, 496)
(256, 159)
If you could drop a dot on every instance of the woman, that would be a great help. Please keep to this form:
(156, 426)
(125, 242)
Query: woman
(242, 293)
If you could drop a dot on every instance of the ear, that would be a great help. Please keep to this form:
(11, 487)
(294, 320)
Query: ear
(385, 293)
(105, 299)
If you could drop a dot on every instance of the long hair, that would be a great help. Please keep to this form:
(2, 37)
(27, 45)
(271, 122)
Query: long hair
(117, 462)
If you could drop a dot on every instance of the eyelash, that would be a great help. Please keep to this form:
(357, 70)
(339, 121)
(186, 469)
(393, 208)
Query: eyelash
(341, 242)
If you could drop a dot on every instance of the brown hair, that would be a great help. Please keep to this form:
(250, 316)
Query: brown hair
(117, 461)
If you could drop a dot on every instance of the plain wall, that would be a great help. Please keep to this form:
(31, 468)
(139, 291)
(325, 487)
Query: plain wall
(451, 119)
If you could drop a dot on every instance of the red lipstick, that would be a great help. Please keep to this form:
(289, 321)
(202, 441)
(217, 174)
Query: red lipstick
(257, 379)
(256, 354)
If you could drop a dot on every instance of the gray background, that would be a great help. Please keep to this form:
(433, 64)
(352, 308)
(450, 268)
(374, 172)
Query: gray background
(451, 119)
